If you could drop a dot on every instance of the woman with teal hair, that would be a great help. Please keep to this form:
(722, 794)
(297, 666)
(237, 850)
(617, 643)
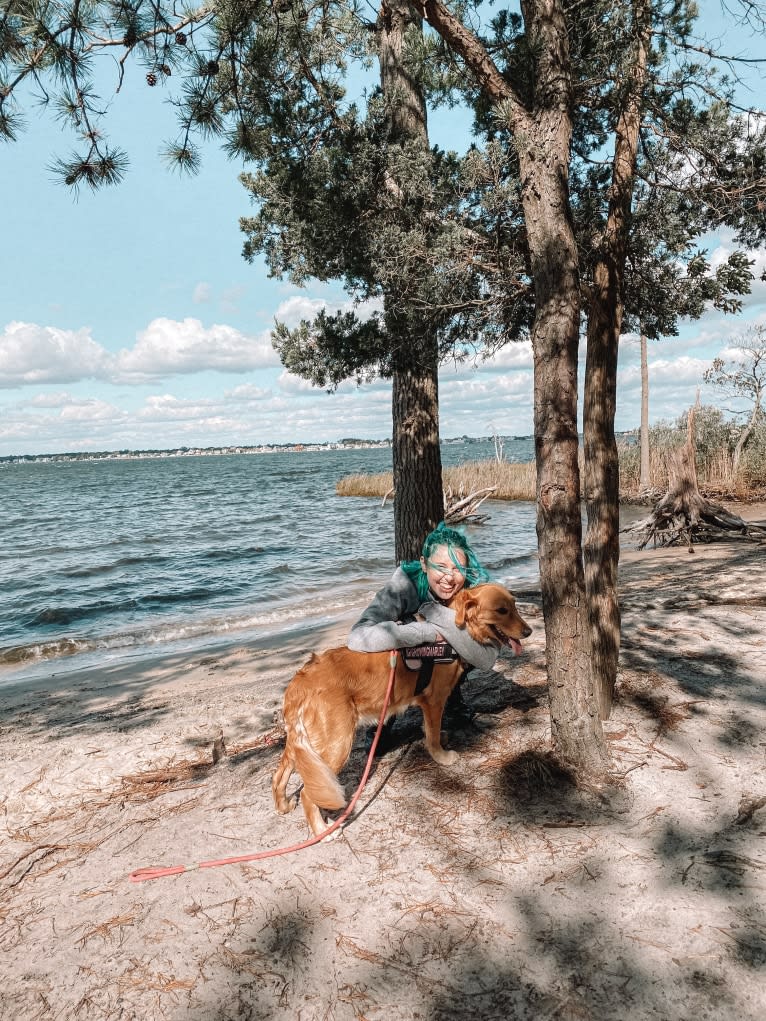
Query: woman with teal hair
(424, 587)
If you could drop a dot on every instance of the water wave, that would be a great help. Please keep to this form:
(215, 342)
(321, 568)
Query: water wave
(182, 549)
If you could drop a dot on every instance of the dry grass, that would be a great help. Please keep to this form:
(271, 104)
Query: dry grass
(517, 481)
(715, 473)
(512, 481)
(365, 485)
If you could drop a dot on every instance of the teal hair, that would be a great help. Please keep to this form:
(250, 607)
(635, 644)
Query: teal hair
(453, 540)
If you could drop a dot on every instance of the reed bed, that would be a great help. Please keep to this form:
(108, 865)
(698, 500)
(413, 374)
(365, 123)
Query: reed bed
(511, 481)
(716, 476)
(517, 481)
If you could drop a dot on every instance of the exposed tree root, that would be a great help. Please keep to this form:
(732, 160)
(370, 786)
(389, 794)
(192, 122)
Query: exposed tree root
(683, 515)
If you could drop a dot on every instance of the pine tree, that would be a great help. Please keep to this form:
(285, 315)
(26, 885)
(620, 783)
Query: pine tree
(556, 87)
(359, 196)
(565, 83)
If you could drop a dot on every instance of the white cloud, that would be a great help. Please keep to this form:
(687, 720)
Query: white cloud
(168, 347)
(35, 355)
(299, 306)
(50, 400)
(288, 383)
(202, 293)
(31, 354)
(248, 393)
(511, 356)
(677, 372)
(170, 406)
(230, 298)
(277, 406)
(291, 311)
(90, 411)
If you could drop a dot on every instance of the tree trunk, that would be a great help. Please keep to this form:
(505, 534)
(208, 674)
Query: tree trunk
(644, 481)
(744, 436)
(544, 163)
(419, 499)
(401, 90)
(602, 469)
(575, 726)
(542, 134)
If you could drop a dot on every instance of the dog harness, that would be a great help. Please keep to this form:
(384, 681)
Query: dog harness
(422, 659)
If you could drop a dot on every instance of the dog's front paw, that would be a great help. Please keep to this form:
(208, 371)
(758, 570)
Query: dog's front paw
(443, 757)
(326, 837)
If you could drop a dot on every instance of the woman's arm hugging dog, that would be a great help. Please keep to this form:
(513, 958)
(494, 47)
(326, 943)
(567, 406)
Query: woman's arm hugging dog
(338, 690)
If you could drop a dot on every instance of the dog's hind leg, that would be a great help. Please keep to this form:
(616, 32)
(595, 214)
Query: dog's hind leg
(333, 733)
(313, 814)
(282, 803)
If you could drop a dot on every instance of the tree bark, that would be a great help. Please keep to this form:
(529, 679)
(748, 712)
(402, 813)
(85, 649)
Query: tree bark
(417, 470)
(745, 435)
(644, 481)
(419, 500)
(575, 726)
(602, 471)
(542, 134)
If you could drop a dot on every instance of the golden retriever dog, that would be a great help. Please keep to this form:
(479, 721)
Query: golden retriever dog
(339, 689)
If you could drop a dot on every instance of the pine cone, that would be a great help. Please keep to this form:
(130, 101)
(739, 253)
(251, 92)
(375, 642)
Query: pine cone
(151, 78)
(165, 68)
(212, 67)
(181, 38)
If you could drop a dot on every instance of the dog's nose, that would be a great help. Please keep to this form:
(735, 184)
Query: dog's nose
(527, 631)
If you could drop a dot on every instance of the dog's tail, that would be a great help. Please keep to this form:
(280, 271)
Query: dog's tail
(319, 781)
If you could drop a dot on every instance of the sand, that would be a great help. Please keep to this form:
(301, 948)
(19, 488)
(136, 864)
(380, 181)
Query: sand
(494, 889)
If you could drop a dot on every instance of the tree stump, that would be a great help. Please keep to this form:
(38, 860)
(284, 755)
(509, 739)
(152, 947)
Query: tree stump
(683, 515)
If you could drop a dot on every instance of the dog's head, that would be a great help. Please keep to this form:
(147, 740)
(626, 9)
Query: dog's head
(489, 614)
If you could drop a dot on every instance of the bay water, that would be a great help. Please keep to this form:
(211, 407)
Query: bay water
(114, 558)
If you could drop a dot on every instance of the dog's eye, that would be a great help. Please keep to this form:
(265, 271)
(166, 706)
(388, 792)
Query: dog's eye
(502, 609)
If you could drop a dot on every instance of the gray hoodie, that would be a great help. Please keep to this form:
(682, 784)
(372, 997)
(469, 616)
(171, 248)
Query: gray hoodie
(378, 630)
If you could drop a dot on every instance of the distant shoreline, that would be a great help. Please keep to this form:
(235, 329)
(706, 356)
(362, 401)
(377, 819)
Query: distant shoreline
(225, 451)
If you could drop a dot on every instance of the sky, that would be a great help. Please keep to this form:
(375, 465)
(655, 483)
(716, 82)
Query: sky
(129, 318)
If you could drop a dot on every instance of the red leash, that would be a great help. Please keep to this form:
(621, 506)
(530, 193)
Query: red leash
(157, 872)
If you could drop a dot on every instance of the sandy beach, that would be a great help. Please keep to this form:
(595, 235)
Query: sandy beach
(493, 889)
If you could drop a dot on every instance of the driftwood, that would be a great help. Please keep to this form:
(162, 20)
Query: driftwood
(460, 507)
(683, 515)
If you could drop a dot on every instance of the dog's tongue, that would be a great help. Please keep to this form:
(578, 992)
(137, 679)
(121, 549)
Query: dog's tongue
(516, 646)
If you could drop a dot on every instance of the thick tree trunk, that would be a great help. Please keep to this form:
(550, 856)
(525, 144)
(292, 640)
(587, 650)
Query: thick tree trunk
(602, 480)
(575, 726)
(544, 162)
(542, 135)
(402, 92)
(419, 499)
(602, 470)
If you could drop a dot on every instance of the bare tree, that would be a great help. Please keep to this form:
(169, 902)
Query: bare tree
(743, 377)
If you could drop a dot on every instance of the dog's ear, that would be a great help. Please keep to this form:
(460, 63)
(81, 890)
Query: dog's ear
(465, 603)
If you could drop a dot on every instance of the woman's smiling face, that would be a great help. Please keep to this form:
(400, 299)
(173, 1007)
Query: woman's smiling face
(445, 570)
